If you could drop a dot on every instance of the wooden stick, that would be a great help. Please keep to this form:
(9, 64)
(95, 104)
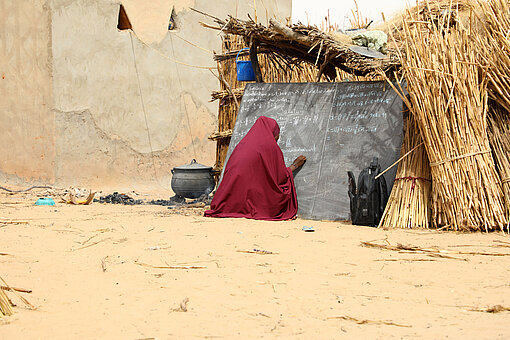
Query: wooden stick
(398, 160)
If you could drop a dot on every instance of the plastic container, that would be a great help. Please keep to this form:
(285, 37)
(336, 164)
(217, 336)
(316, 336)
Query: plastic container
(244, 68)
(45, 201)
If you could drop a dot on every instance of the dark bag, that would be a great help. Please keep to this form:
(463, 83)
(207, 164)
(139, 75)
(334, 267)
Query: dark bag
(368, 199)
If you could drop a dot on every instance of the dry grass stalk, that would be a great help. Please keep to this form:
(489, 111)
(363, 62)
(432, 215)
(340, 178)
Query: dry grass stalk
(5, 305)
(492, 309)
(25, 301)
(92, 244)
(257, 251)
(357, 20)
(449, 101)
(21, 290)
(365, 321)
(169, 267)
(429, 251)
(409, 202)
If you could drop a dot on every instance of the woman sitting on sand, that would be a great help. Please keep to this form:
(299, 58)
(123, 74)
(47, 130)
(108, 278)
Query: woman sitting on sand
(256, 183)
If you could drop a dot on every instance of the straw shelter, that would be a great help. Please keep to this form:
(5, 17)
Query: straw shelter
(454, 172)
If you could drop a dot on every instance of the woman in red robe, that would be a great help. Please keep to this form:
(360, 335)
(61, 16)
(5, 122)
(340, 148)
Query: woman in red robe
(256, 183)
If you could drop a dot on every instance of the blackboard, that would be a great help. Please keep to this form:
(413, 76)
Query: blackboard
(339, 127)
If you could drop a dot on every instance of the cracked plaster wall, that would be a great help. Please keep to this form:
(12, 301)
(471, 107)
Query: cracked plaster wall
(119, 108)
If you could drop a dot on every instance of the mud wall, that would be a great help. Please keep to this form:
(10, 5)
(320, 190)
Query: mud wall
(27, 123)
(112, 108)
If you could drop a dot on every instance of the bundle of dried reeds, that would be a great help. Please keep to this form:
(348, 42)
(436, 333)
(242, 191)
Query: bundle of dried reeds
(432, 11)
(449, 101)
(499, 136)
(409, 202)
(494, 46)
(5, 305)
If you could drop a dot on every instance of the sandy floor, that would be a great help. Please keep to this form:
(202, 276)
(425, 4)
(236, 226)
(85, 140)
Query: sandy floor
(98, 272)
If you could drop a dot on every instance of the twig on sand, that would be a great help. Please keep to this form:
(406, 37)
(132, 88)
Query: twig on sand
(168, 267)
(92, 244)
(364, 321)
(493, 309)
(406, 260)
(90, 238)
(25, 301)
(9, 221)
(183, 306)
(21, 290)
(5, 305)
(435, 252)
(504, 243)
(257, 251)
(103, 263)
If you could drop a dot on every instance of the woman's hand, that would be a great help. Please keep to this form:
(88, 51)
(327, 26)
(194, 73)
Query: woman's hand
(298, 162)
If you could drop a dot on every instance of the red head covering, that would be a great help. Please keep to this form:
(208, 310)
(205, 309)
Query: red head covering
(256, 184)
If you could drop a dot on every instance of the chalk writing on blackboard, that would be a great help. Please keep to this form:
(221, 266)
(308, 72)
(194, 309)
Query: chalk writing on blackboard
(339, 127)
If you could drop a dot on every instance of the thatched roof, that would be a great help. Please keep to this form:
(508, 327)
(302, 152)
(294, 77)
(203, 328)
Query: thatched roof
(300, 43)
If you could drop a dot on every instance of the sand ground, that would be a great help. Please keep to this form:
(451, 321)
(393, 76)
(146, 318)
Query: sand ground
(102, 272)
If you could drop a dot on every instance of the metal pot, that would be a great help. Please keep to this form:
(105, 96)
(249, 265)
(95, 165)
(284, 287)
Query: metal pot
(192, 180)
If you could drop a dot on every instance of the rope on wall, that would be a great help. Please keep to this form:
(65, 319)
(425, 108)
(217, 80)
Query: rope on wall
(144, 112)
(185, 110)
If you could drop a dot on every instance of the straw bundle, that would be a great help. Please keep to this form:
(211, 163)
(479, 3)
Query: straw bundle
(499, 136)
(409, 202)
(5, 305)
(432, 11)
(494, 47)
(449, 101)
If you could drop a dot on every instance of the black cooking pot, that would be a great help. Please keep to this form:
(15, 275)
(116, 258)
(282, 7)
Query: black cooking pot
(192, 180)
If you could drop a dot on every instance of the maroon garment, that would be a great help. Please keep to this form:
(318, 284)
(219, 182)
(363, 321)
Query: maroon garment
(256, 184)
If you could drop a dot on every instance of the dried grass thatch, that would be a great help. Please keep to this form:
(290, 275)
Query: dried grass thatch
(454, 57)
(449, 102)
(493, 42)
(499, 136)
(299, 43)
(495, 47)
(409, 202)
(5, 305)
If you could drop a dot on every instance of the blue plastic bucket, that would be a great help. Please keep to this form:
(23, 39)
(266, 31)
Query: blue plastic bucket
(244, 69)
